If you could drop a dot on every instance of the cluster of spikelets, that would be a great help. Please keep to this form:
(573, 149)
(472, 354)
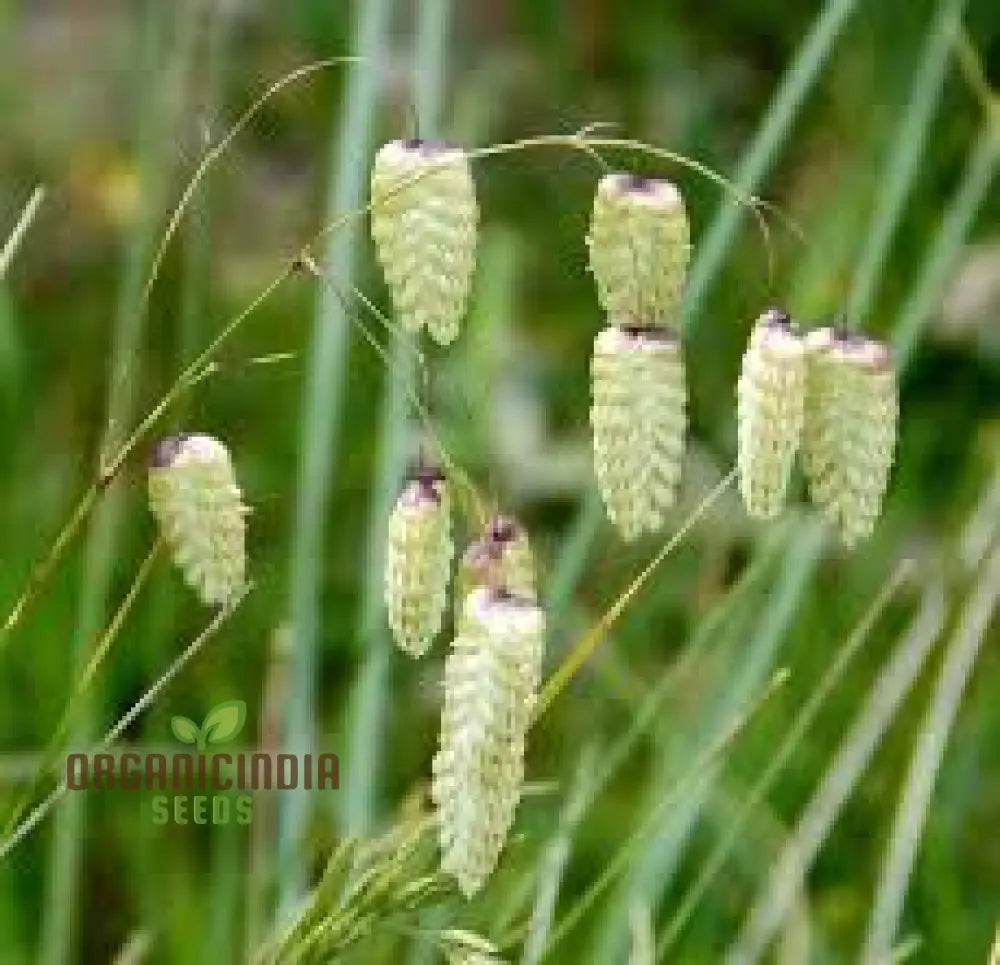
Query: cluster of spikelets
(832, 394)
(198, 504)
(639, 245)
(423, 222)
(491, 675)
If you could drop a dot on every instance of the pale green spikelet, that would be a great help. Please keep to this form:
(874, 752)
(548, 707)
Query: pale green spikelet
(195, 498)
(490, 686)
(849, 434)
(501, 558)
(418, 562)
(770, 401)
(640, 246)
(423, 222)
(639, 418)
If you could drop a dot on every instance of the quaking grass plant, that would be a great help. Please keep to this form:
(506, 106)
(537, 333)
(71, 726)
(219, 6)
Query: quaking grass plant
(203, 570)
(358, 894)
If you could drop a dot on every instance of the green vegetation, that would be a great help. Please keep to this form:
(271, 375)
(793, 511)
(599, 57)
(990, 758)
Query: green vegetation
(751, 744)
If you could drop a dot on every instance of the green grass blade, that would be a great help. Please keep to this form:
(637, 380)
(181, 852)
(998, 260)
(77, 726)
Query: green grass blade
(320, 427)
(903, 164)
(708, 757)
(841, 776)
(658, 863)
(770, 138)
(14, 239)
(370, 699)
(555, 856)
(102, 539)
(943, 251)
(928, 755)
(784, 752)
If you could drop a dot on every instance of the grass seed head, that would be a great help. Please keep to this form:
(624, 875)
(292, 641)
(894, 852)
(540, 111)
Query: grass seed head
(490, 686)
(849, 433)
(501, 558)
(639, 418)
(640, 247)
(770, 401)
(418, 562)
(423, 222)
(195, 498)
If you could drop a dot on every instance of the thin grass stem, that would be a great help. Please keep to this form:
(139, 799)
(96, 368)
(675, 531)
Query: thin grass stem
(41, 810)
(584, 648)
(101, 650)
(13, 242)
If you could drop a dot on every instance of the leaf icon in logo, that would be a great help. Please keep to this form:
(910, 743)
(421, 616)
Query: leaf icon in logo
(224, 722)
(185, 730)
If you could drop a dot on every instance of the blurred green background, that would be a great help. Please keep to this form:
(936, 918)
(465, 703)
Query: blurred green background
(863, 121)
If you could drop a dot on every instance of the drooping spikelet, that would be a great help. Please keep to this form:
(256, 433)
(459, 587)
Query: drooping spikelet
(418, 562)
(849, 434)
(195, 498)
(491, 681)
(638, 417)
(770, 401)
(423, 222)
(501, 559)
(640, 246)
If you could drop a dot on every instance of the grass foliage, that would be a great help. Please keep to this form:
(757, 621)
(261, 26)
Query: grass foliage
(750, 745)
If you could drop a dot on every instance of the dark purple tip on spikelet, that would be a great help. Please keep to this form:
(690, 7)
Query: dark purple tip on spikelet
(503, 529)
(639, 184)
(778, 317)
(166, 450)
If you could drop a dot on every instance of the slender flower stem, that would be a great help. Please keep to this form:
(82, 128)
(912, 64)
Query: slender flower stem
(101, 651)
(20, 230)
(41, 810)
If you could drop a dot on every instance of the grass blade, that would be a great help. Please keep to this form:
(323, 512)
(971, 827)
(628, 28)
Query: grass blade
(928, 755)
(102, 538)
(20, 229)
(846, 767)
(903, 164)
(783, 754)
(658, 863)
(980, 169)
(38, 814)
(708, 758)
(555, 857)
(370, 697)
(320, 426)
(771, 136)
